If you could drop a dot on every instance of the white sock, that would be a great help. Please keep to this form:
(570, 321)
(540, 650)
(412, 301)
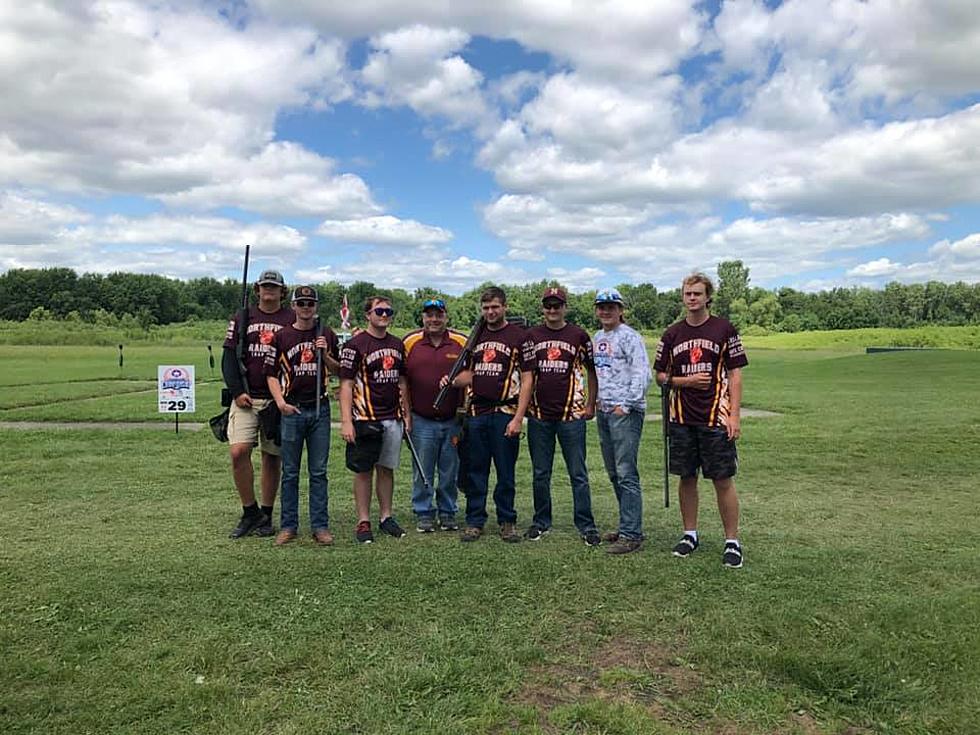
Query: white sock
(733, 541)
(692, 534)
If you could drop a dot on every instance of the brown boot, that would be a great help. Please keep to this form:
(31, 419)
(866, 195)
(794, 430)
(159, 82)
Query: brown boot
(285, 536)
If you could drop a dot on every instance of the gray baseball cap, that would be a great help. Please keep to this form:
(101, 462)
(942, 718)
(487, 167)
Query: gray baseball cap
(271, 278)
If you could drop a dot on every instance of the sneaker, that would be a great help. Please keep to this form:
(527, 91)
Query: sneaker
(509, 534)
(391, 527)
(732, 557)
(472, 533)
(625, 546)
(448, 523)
(265, 528)
(425, 525)
(686, 546)
(592, 538)
(610, 537)
(535, 533)
(247, 524)
(363, 533)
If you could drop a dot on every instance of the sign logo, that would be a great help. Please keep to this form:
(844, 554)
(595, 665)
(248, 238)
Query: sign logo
(175, 388)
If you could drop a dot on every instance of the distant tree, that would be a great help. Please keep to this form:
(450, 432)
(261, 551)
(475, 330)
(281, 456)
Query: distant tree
(733, 285)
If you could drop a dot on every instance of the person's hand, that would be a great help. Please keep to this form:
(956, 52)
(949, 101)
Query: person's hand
(734, 427)
(588, 413)
(619, 411)
(701, 381)
(408, 423)
(513, 428)
(243, 400)
(288, 409)
(443, 381)
(321, 342)
(347, 431)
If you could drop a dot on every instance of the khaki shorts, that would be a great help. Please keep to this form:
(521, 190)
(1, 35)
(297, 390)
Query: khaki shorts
(243, 426)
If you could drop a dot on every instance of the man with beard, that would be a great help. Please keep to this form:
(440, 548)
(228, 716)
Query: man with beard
(372, 395)
(430, 353)
(700, 359)
(500, 381)
(291, 373)
(250, 394)
(560, 407)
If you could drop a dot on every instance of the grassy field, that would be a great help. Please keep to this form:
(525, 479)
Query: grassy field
(126, 609)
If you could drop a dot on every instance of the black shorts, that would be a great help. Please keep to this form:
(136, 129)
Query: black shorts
(701, 447)
(365, 451)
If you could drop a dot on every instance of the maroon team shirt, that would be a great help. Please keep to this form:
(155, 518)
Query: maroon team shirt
(562, 357)
(499, 358)
(293, 361)
(425, 365)
(714, 348)
(261, 332)
(375, 365)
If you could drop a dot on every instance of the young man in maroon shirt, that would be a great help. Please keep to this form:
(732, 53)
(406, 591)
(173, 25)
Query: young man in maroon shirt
(291, 374)
(560, 408)
(700, 359)
(500, 382)
(430, 353)
(372, 395)
(250, 394)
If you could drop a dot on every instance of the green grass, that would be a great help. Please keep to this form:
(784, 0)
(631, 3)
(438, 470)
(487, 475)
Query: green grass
(859, 339)
(126, 608)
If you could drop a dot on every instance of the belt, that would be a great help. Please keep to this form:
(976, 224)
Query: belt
(305, 404)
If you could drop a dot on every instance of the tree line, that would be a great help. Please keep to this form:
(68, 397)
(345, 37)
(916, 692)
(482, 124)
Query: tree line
(130, 299)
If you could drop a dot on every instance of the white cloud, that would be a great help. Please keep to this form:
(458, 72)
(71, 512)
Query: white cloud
(580, 279)
(384, 229)
(875, 268)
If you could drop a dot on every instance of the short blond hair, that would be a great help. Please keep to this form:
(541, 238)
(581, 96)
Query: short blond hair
(709, 286)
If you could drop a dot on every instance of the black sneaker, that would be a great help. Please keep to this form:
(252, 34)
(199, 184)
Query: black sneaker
(265, 528)
(424, 524)
(448, 523)
(732, 557)
(391, 527)
(592, 538)
(535, 533)
(363, 533)
(248, 523)
(686, 546)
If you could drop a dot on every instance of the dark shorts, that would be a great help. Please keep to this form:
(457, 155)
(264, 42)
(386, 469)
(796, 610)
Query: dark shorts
(365, 451)
(700, 447)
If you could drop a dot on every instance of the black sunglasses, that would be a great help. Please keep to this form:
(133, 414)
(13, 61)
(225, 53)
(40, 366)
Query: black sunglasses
(305, 303)
(382, 311)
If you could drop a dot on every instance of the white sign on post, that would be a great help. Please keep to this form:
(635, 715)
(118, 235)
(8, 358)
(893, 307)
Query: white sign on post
(175, 388)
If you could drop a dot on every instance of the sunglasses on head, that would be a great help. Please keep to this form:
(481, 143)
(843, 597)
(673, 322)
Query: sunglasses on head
(383, 311)
(305, 303)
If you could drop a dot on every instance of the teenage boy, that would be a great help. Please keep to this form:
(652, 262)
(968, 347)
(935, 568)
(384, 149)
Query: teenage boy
(430, 353)
(700, 359)
(623, 370)
(300, 352)
(372, 395)
(500, 380)
(250, 394)
(560, 408)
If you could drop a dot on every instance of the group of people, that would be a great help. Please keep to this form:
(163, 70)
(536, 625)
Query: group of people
(554, 376)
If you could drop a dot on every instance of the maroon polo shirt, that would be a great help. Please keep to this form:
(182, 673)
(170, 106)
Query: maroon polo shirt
(425, 365)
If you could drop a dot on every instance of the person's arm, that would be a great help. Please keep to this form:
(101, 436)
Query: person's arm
(405, 397)
(523, 401)
(233, 378)
(276, 390)
(735, 403)
(592, 380)
(347, 409)
(639, 371)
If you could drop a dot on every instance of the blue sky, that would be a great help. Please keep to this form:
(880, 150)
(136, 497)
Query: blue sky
(411, 143)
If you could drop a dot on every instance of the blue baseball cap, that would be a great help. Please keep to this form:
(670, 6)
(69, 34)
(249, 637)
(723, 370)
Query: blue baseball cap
(609, 296)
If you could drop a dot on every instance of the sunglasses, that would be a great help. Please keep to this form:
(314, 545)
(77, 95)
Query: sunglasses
(434, 303)
(382, 311)
(553, 304)
(305, 304)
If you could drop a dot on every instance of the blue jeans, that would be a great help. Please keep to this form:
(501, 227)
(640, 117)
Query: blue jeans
(541, 437)
(619, 438)
(315, 432)
(434, 442)
(485, 443)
